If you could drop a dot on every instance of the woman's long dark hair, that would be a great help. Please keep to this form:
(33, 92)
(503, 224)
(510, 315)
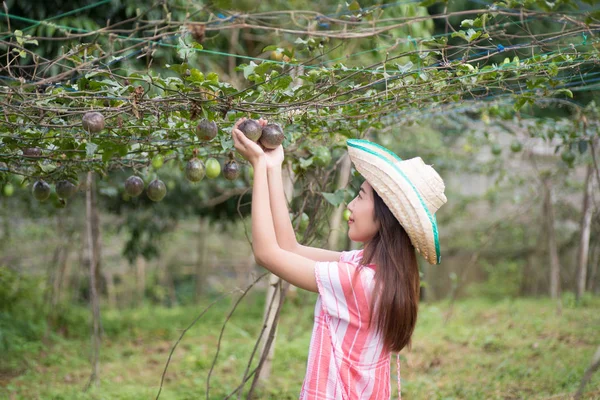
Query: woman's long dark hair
(396, 295)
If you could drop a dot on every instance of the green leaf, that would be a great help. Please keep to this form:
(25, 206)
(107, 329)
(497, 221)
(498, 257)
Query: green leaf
(335, 199)
(47, 168)
(249, 70)
(566, 92)
(90, 149)
(305, 162)
(582, 146)
(354, 6)
(461, 34)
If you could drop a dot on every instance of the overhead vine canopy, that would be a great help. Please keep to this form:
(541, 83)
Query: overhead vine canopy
(322, 76)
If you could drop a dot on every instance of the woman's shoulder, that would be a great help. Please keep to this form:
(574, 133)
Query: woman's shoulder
(352, 256)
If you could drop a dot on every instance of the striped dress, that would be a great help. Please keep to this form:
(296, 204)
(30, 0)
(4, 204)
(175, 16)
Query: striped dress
(346, 359)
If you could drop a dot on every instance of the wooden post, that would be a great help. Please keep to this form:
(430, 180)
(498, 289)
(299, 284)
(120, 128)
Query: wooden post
(276, 288)
(336, 216)
(552, 248)
(584, 239)
(93, 259)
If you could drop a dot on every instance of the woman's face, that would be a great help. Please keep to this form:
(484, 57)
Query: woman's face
(362, 226)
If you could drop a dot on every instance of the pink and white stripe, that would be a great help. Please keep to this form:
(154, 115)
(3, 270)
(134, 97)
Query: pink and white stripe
(346, 359)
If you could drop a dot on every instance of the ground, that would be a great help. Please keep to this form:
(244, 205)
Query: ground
(511, 349)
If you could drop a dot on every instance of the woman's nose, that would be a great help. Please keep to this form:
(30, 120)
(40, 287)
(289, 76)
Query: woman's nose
(350, 205)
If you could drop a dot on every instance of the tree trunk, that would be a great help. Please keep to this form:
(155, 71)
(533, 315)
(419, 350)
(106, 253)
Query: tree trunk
(552, 248)
(91, 214)
(336, 216)
(584, 240)
(140, 279)
(201, 259)
(595, 257)
(274, 289)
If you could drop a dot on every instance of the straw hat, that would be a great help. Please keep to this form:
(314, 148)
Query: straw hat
(412, 190)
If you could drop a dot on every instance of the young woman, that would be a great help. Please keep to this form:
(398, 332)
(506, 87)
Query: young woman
(368, 299)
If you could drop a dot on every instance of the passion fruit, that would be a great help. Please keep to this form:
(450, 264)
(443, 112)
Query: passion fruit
(194, 170)
(8, 189)
(568, 157)
(65, 189)
(346, 215)
(32, 152)
(206, 130)
(272, 136)
(231, 170)
(213, 168)
(496, 149)
(156, 190)
(134, 186)
(516, 146)
(41, 190)
(322, 156)
(251, 129)
(93, 121)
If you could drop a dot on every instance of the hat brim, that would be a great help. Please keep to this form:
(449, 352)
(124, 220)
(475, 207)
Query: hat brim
(380, 168)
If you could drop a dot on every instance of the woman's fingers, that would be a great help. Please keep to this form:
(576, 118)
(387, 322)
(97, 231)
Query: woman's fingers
(239, 121)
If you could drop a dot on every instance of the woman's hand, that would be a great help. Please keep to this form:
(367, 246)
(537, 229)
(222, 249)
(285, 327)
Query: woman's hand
(250, 150)
(273, 157)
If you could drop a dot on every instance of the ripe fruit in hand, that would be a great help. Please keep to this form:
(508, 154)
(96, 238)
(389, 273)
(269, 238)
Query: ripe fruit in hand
(41, 190)
(322, 156)
(272, 136)
(134, 186)
(65, 189)
(346, 215)
(206, 130)
(93, 122)
(194, 170)
(213, 168)
(251, 129)
(156, 190)
(231, 170)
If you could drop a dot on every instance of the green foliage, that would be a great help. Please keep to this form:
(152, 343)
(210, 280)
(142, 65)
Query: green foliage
(503, 280)
(21, 322)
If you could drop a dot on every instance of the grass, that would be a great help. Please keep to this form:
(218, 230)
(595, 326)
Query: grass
(512, 349)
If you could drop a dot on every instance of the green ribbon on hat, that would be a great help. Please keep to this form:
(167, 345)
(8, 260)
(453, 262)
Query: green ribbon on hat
(376, 150)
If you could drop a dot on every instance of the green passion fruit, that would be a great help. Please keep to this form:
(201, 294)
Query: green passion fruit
(194, 170)
(213, 168)
(8, 190)
(322, 156)
(156, 190)
(272, 136)
(516, 146)
(134, 186)
(346, 215)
